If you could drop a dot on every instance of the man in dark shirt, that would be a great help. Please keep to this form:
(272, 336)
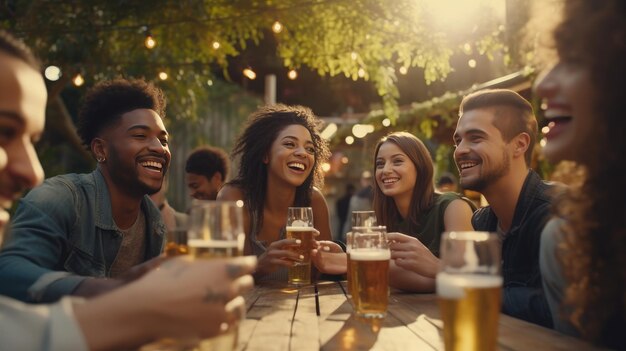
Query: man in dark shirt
(494, 139)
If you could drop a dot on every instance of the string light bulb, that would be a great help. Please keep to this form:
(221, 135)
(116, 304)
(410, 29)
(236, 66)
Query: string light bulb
(277, 27)
(163, 76)
(52, 73)
(150, 43)
(403, 70)
(216, 45)
(78, 80)
(249, 73)
(292, 74)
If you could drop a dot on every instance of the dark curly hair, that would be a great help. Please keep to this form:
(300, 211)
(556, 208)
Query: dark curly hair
(206, 161)
(14, 47)
(593, 254)
(106, 102)
(255, 142)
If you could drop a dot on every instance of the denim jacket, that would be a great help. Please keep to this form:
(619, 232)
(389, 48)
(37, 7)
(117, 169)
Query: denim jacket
(523, 293)
(62, 233)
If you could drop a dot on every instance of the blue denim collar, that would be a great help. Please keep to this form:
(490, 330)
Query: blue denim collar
(102, 207)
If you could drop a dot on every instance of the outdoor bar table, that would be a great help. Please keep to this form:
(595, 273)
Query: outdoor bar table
(319, 317)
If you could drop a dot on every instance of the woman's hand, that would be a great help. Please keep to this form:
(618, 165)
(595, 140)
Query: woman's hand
(410, 254)
(279, 254)
(329, 258)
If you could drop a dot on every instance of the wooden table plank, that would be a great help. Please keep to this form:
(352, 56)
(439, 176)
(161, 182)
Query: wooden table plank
(290, 319)
(305, 327)
(273, 312)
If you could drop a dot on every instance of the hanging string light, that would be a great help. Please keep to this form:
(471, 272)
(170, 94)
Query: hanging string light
(216, 45)
(150, 43)
(162, 75)
(403, 70)
(277, 27)
(78, 80)
(292, 74)
(52, 73)
(249, 73)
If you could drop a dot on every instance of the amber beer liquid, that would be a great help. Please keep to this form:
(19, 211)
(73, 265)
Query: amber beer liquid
(300, 273)
(175, 249)
(470, 308)
(370, 287)
(210, 249)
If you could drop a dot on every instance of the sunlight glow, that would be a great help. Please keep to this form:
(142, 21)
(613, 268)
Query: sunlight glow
(455, 15)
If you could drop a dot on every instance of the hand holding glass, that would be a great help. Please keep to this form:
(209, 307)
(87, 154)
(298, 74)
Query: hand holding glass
(216, 231)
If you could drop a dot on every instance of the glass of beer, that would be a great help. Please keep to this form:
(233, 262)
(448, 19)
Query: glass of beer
(216, 231)
(300, 226)
(369, 266)
(176, 242)
(360, 219)
(469, 288)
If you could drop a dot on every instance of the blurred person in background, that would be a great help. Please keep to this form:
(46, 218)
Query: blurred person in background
(206, 171)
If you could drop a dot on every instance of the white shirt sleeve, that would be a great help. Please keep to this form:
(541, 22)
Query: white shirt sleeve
(40, 327)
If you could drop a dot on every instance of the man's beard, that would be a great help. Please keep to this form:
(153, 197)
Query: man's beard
(489, 177)
(127, 178)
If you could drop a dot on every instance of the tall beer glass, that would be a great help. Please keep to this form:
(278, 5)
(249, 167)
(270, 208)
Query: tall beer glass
(469, 288)
(216, 231)
(369, 267)
(360, 219)
(300, 226)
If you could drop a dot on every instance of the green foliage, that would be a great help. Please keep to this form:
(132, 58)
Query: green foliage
(361, 39)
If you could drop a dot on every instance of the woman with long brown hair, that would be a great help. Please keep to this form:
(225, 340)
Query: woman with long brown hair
(415, 214)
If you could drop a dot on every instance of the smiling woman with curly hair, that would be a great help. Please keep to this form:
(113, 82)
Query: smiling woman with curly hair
(586, 280)
(281, 154)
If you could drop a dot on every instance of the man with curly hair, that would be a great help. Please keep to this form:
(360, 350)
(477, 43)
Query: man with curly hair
(84, 234)
(207, 169)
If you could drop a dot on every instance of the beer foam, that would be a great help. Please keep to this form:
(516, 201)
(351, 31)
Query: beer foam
(213, 244)
(299, 223)
(451, 286)
(369, 255)
(299, 229)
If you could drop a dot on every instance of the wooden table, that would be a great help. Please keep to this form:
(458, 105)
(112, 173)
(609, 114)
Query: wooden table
(320, 317)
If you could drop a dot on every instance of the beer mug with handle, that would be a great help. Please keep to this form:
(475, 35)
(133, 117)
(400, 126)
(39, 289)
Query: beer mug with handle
(369, 265)
(300, 227)
(469, 286)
